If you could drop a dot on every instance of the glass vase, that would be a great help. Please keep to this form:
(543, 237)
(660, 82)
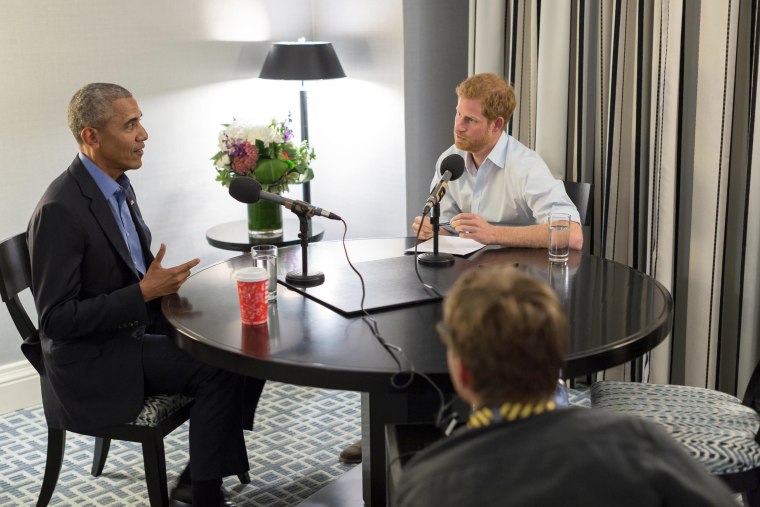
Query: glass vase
(264, 219)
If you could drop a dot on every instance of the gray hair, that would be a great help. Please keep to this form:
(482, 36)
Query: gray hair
(91, 106)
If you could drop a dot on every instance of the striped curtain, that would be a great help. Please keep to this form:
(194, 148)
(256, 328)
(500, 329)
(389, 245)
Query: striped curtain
(654, 102)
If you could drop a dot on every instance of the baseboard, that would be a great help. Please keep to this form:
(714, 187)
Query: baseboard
(19, 386)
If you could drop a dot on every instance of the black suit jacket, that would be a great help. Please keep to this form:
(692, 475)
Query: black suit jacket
(91, 311)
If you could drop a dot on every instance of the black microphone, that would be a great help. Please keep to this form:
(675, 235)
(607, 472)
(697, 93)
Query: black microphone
(452, 168)
(248, 190)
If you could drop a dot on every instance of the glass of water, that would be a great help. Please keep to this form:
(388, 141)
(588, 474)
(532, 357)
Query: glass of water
(266, 257)
(559, 236)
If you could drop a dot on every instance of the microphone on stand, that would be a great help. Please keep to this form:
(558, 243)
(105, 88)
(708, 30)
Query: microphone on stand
(248, 190)
(452, 167)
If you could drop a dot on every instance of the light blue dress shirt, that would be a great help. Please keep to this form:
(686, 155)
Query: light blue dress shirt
(513, 186)
(115, 194)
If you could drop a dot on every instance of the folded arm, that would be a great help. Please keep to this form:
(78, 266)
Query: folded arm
(529, 236)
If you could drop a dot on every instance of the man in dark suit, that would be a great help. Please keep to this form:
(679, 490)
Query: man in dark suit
(97, 288)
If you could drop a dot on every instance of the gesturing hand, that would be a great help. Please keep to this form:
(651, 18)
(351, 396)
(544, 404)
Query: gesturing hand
(160, 281)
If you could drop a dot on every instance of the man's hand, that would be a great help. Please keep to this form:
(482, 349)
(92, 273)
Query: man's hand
(160, 281)
(427, 229)
(472, 226)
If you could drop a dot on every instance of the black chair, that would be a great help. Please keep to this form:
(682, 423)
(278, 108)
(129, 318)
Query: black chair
(161, 414)
(719, 430)
(582, 195)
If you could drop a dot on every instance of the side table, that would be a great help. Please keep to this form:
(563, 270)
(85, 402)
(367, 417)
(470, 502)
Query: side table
(234, 235)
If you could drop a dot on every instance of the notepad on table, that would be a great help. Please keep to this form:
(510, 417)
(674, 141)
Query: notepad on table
(456, 245)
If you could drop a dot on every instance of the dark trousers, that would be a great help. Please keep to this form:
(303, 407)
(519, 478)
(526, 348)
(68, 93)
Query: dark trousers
(217, 445)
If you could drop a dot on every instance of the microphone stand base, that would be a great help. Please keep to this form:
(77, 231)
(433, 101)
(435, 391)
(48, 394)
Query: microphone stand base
(436, 260)
(305, 280)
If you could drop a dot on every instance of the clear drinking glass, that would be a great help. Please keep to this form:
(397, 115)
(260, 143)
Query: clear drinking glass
(559, 236)
(266, 257)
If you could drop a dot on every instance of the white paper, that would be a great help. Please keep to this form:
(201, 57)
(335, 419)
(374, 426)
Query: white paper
(456, 245)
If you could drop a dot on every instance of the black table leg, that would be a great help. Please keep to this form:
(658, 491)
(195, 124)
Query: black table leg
(379, 409)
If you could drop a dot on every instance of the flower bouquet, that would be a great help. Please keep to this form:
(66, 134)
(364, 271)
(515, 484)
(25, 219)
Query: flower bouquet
(268, 155)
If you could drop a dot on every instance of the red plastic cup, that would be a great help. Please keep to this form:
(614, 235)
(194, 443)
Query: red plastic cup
(252, 294)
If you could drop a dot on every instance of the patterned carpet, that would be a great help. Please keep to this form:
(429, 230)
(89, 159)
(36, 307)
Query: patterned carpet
(293, 453)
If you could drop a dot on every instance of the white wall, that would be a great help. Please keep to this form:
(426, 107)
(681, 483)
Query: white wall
(192, 65)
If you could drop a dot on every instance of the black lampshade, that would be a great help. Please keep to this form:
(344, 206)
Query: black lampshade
(301, 61)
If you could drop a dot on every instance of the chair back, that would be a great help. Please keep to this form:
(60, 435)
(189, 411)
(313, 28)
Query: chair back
(582, 195)
(15, 277)
(752, 394)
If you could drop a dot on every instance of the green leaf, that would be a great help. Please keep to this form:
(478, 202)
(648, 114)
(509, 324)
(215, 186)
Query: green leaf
(308, 175)
(270, 171)
(224, 177)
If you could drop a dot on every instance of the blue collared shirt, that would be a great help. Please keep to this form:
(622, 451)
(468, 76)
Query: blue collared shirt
(513, 186)
(115, 194)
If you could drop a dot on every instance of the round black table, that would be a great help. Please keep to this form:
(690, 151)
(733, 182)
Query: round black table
(616, 314)
(234, 235)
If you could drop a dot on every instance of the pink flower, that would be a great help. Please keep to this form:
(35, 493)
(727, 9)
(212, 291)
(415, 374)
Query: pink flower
(244, 157)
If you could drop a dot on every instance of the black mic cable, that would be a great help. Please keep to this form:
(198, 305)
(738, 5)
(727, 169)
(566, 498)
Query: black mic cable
(397, 353)
(452, 168)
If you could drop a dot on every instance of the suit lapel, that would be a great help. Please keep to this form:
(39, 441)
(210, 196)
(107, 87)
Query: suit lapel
(101, 211)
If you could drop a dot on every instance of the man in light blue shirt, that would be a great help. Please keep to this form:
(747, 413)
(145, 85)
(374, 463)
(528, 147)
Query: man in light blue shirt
(507, 192)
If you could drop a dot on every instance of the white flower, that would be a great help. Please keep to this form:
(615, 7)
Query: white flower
(264, 134)
(245, 130)
(236, 130)
(224, 161)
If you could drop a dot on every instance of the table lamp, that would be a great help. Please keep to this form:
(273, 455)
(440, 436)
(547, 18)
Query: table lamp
(302, 61)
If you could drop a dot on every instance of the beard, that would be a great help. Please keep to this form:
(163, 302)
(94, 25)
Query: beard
(472, 145)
